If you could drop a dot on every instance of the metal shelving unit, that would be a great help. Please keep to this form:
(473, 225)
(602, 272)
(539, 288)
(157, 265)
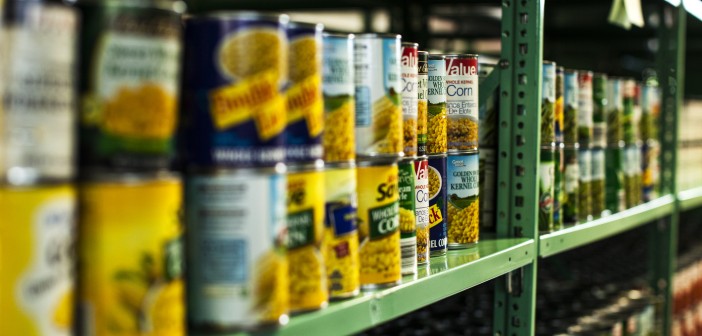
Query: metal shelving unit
(690, 198)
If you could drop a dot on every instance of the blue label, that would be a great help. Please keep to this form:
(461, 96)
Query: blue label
(391, 63)
(226, 261)
(437, 204)
(342, 217)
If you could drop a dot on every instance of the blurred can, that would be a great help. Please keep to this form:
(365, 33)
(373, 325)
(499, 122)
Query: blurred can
(631, 165)
(615, 110)
(488, 189)
(436, 96)
(37, 284)
(559, 186)
(548, 103)
(650, 152)
(597, 182)
(488, 113)
(584, 187)
(585, 108)
(421, 195)
(130, 80)
(559, 107)
(571, 185)
(629, 132)
(599, 110)
(463, 199)
(650, 109)
(422, 107)
(437, 205)
(38, 110)
(408, 226)
(410, 98)
(305, 103)
(339, 138)
(614, 179)
(546, 186)
(570, 107)
(462, 102)
(378, 96)
(237, 275)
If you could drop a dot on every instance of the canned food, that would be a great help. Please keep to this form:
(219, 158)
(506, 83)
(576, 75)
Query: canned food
(584, 188)
(305, 104)
(37, 282)
(632, 175)
(305, 229)
(135, 287)
(558, 112)
(408, 224)
(38, 109)
(488, 113)
(585, 108)
(130, 77)
(378, 94)
(650, 110)
(237, 271)
(339, 138)
(462, 101)
(488, 189)
(614, 179)
(570, 107)
(599, 108)
(558, 187)
(341, 239)
(437, 205)
(378, 223)
(548, 103)
(615, 109)
(236, 66)
(422, 82)
(410, 98)
(597, 182)
(463, 200)
(650, 152)
(627, 120)
(421, 195)
(436, 95)
(546, 186)
(571, 184)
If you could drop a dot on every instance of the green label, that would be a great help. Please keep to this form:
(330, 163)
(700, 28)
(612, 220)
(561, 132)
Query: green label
(384, 220)
(300, 228)
(406, 185)
(436, 109)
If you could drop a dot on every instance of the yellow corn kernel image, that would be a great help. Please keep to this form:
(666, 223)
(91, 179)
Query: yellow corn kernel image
(422, 108)
(436, 139)
(270, 287)
(342, 264)
(410, 136)
(339, 138)
(422, 244)
(380, 260)
(63, 312)
(308, 285)
(407, 220)
(144, 112)
(166, 309)
(253, 51)
(304, 59)
(462, 132)
(463, 223)
(387, 126)
(434, 183)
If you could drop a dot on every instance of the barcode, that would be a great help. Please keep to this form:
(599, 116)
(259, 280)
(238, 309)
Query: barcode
(408, 253)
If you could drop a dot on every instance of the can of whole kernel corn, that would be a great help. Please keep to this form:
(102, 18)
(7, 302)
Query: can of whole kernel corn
(614, 178)
(546, 186)
(584, 185)
(305, 104)
(488, 189)
(436, 113)
(558, 187)
(339, 138)
(130, 80)
(237, 275)
(462, 102)
(236, 67)
(422, 85)
(408, 224)
(421, 195)
(571, 184)
(615, 110)
(437, 205)
(631, 166)
(378, 224)
(463, 199)
(378, 96)
(38, 110)
(585, 108)
(570, 107)
(410, 98)
(130, 255)
(627, 120)
(559, 107)
(37, 235)
(341, 233)
(599, 108)
(488, 113)
(597, 182)
(548, 103)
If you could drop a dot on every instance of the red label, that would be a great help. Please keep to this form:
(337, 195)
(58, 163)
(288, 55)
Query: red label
(409, 56)
(461, 66)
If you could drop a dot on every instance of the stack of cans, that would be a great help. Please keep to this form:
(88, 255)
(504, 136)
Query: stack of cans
(599, 143)
(547, 165)
(631, 159)
(37, 167)
(650, 149)
(487, 141)
(130, 267)
(585, 130)
(571, 163)
(614, 173)
(559, 166)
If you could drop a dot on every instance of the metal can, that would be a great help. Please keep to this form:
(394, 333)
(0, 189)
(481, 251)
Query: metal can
(422, 107)
(37, 235)
(558, 112)
(558, 187)
(378, 96)
(650, 152)
(341, 234)
(627, 120)
(436, 113)
(585, 108)
(237, 275)
(408, 223)
(462, 101)
(548, 103)
(488, 112)
(130, 253)
(614, 179)
(615, 109)
(650, 110)
(130, 78)
(305, 103)
(631, 165)
(597, 182)
(488, 189)
(421, 195)
(339, 137)
(571, 185)
(378, 223)
(410, 98)
(599, 110)
(584, 189)
(38, 109)
(570, 107)
(437, 205)
(236, 67)
(463, 200)
(546, 186)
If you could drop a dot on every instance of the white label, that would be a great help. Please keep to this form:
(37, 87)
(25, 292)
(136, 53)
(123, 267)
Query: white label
(598, 165)
(409, 83)
(548, 88)
(572, 175)
(408, 251)
(585, 165)
(436, 92)
(461, 88)
(547, 171)
(585, 104)
(337, 68)
(631, 165)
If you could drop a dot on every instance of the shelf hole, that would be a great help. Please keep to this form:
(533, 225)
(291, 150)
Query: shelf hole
(500, 304)
(522, 64)
(523, 49)
(505, 33)
(526, 252)
(504, 124)
(519, 170)
(523, 32)
(524, 3)
(510, 259)
(505, 94)
(520, 125)
(514, 306)
(518, 217)
(520, 140)
(522, 79)
(521, 94)
(502, 215)
(519, 202)
(521, 110)
(524, 18)
(520, 155)
(519, 186)
(503, 185)
(506, 4)
(504, 154)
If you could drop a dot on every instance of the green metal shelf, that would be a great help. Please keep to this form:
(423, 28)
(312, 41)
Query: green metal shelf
(446, 276)
(690, 198)
(563, 240)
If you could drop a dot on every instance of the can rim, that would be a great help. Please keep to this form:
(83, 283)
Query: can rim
(571, 71)
(549, 62)
(464, 152)
(437, 57)
(280, 168)
(305, 166)
(301, 24)
(340, 165)
(461, 56)
(244, 15)
(440, 155)
(585, 72)
(339, 35)
(374, 163)
(379, 35)
(176, 6)
(414, 44)
(422, 52)
(127, 178)
(560, 68)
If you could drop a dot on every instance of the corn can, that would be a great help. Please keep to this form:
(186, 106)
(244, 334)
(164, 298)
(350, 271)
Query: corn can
(305, 103)
(236, 68)
(421, 196)
(558, 187)
(488, 112)
(571, 185)
(615, 110)
(629, 132)
(37, 235)
(614, 179)
(487, 168)
(463, 199)
(437, 205)
(37, 114)
(341, 233)
(599, 110)
(570, 107)
(436, 113)
(238, 274)
(597, 182)
(378, 96)
(585, 108)
(650, 111)
(546, 186)
(378, 223)
(410, 98)
(559, 107)
(408, 222)
(305, 229)
(339, 138)
(422, 82)
(130, 78)
(130, 248)
(584, 187)
(548, 103)
(650, 152)
(631, 165)
(462, 102)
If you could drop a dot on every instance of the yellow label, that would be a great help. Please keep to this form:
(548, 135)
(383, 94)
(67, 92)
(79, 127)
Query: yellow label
(130, 254)
(146, 111)
(305, 101)
(36, 263)
(435, 216)
(559, 112)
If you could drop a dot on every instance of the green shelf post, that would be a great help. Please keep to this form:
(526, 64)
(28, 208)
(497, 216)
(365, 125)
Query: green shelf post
(518, 157)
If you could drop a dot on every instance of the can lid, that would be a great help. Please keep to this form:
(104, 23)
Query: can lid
(600, 75)
(306, 166)
(436, 57)
(379, 35)
(434, 156)
(571, 71)
(339, 36)
(410, 44)
(305, 25)
(549, 62)
(122, 177)
(559, 69)
(585, 73)
(423, 52)
(461, 56)
(176, 6)
(340, 165)
(241, 15)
